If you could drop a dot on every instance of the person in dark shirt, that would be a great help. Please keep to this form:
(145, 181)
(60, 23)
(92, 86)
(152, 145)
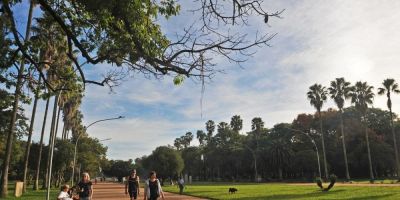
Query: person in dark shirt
(85, 187)
(152, 189)
(132, 185)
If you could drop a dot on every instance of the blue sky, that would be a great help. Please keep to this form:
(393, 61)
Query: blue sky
(316, 42)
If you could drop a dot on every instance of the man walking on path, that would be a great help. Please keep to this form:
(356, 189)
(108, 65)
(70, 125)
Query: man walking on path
(132, 185)
(181, 184)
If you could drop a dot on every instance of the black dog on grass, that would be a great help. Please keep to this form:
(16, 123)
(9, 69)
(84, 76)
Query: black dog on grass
(232, 190)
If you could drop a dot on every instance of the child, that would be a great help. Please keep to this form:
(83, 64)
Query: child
(63, 195)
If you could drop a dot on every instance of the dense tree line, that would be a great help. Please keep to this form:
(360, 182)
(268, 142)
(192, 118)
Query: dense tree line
(352, 142)
(286, 152)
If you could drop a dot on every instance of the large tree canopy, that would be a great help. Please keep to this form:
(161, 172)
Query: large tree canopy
(128, 33)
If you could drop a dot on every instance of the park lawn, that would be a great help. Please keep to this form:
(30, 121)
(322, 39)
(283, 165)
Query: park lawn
(31, 194)
(281, 191)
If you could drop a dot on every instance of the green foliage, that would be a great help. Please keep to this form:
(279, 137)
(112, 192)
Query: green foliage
(191, 157)
(166, 161)
(178, 79)
(118, 168)
(282, 153)
(6, 103)
(90, 153)
(317, 96)
(129, 26)
(63, 158)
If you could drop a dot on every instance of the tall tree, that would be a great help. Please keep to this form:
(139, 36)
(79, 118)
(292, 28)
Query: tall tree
(257, 124)
(362, 96)
(236, 123)
(390, 86)
(317, 95)
(340, 91)
(37, 172)
(17, 94)
(187, 139)
(28, 143)
(210, 127)
(201, 136)
(178, 143)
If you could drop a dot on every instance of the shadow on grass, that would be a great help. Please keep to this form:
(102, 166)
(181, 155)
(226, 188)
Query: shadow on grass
(310, 196)
(313, 195)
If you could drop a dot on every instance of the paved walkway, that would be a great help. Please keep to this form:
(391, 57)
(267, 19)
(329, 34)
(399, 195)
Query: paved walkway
(116, 191)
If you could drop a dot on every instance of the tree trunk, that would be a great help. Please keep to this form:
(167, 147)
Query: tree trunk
(11, 128)
(28, 144)
(396, 152)
(323, 145)
(344, 146)
(371, 173)
(51, 145)
(10, 135)
(58, 120)
(63, 136)
(255, 168)
(36, 185)
(280, 173)
(51, 139)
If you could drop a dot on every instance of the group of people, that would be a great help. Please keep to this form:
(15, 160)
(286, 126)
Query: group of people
(152, 188)
(84, 189)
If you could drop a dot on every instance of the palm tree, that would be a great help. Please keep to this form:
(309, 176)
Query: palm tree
(257, 124)
(317, 96)
(362, 96)
(340, 91)
(201, 136)
(17, 95)
(210, 127)
(389, 86)
(236, 123)
(37, 173)
(28, 143)
(53, 48)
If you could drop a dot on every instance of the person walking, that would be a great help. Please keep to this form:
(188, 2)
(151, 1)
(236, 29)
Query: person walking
(152, 188)
(85, 187)
(132, 185)
(181, 184)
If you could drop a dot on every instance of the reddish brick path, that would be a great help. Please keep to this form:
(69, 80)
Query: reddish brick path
(115, 191)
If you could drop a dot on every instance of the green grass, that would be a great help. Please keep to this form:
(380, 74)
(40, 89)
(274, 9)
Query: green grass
(281, 191)
(31, 194)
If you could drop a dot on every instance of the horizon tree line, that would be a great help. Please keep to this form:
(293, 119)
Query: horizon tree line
(361, 95)
(276, 152)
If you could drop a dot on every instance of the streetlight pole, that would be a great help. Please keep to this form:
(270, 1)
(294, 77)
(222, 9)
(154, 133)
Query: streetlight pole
(76, 144)
(315, 146)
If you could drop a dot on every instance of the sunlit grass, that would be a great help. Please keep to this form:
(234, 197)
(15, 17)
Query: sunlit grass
(31, 194)
(287, 191)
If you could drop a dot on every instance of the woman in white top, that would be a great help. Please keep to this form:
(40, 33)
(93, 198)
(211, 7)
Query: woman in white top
(152, 188)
